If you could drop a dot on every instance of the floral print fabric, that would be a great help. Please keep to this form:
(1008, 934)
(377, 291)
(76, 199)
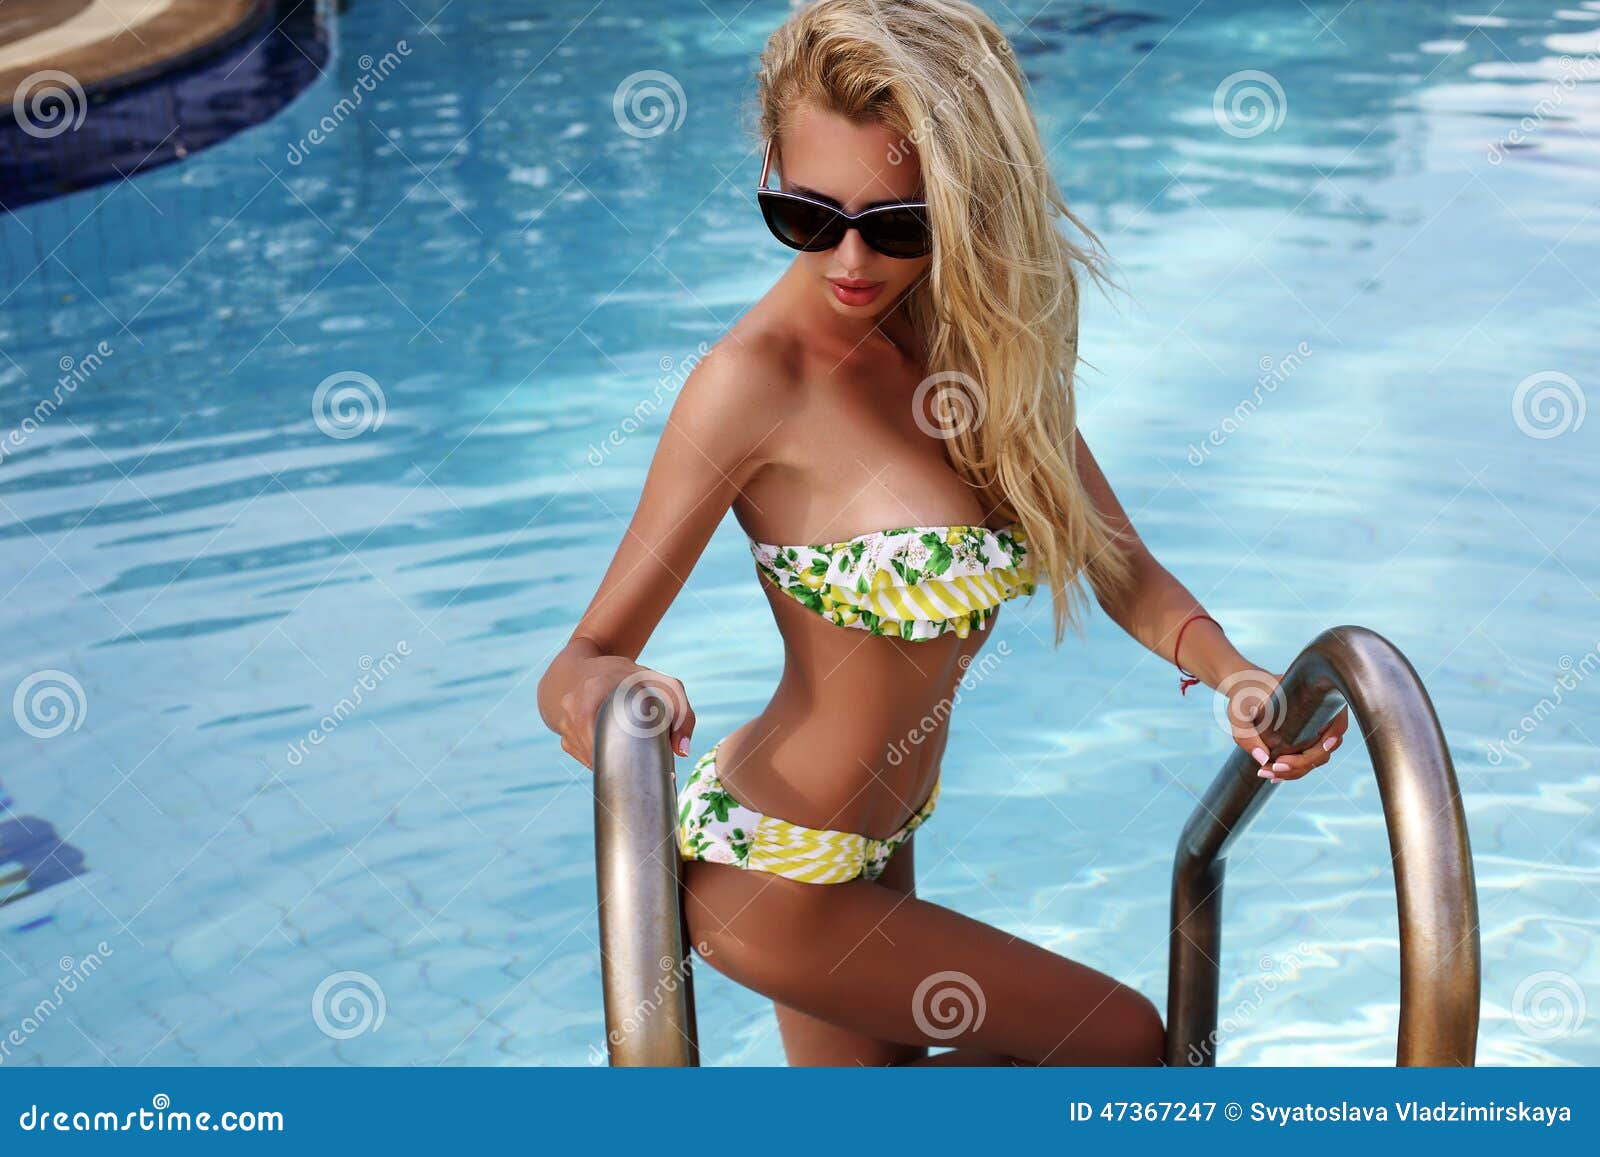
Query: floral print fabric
(714, 826)
(912, 582)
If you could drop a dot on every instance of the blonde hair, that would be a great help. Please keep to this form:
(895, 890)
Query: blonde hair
(998, 310)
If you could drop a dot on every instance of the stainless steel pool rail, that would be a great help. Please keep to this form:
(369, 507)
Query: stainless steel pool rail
(645, 962)
(644, 941)
(1440, 963)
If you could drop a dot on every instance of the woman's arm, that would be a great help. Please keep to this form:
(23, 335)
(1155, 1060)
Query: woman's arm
(1154, 607)
(717, 436)
(1155, 604)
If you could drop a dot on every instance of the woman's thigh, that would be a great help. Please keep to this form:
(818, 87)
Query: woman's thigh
(881, 968)
(810, 1040)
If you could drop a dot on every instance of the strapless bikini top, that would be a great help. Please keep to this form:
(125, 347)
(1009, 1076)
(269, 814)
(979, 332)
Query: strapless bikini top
(912, 582)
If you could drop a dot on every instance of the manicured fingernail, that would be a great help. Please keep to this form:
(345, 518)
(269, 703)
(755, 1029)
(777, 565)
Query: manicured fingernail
(683, 745)
(1275, 779)
(1260, 753)
(1280, 766)
(1327, 744)
(1263, 773)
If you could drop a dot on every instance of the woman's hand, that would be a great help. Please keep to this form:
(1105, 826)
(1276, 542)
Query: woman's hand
(1249, 692)
(649, 703)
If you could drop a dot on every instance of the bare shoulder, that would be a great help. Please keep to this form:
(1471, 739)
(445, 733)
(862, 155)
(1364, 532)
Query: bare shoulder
(739, 394)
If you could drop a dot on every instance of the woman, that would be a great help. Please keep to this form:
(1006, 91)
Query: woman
(900, 402)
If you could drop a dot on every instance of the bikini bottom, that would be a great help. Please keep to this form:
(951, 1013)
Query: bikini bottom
(714, 826)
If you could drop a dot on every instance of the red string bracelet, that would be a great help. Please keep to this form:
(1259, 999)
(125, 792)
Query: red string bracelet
(1187, 679)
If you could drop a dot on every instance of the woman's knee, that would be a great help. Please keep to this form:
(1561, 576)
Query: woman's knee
(1124, 1028)
(1143, 1036)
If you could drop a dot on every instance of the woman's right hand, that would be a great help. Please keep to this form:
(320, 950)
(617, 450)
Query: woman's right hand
(648, 701)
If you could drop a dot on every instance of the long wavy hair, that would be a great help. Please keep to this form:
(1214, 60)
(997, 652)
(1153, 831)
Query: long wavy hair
(997, 313)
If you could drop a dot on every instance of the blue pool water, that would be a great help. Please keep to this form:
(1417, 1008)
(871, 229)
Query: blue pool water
(204, 555)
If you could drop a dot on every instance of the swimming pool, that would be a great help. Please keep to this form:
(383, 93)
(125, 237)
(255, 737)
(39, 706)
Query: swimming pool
(361, 400)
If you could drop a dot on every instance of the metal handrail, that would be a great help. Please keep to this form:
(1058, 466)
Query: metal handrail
(1440, 982)
(644, 957)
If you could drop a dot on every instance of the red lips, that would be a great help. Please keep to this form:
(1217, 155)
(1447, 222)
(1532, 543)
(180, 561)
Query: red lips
(855, 290)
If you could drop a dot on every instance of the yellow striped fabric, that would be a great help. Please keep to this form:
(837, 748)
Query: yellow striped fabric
(825, 856)
(938, 599)
(815, 855)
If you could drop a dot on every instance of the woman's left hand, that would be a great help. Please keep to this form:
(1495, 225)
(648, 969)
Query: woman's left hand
(1249, 691)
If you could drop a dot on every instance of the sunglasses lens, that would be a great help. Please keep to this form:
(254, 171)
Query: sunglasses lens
(803, 225)
(899, 232)
(800, 224)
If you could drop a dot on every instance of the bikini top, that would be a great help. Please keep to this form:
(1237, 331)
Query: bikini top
(912, 582)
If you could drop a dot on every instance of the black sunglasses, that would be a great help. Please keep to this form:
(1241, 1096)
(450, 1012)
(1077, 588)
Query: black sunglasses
(900, 229)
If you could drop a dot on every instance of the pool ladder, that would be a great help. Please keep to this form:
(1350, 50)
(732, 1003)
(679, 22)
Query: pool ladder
(644, 941)
(644, 937)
